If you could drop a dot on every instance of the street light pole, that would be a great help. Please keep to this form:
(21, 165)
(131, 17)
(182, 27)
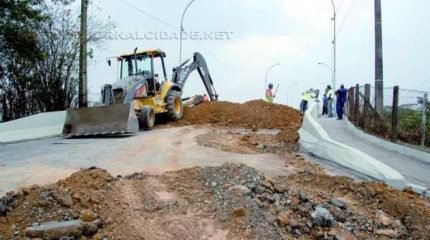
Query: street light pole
(267, 73)
(331, 71)
(334, 44)
(182, 30)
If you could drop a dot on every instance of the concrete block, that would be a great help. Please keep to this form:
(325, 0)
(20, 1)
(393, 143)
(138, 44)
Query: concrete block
(314, 139)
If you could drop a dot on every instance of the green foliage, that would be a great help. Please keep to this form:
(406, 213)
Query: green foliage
(410, 122)
(39, 50)
(18, 22)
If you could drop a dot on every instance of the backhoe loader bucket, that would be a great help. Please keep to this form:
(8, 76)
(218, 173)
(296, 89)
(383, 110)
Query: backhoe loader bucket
(104, 120)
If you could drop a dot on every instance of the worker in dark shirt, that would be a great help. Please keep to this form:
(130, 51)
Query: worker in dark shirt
(341, 95)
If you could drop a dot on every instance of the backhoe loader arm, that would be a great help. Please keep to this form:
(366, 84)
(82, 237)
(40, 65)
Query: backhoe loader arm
(182, 72)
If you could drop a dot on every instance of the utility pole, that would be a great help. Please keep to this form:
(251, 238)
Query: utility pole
(83, 86)
(334, 44)
(3, 104)
(379, 67)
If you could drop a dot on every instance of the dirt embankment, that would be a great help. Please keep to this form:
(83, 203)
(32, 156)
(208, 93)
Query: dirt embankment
(226, 202)
(251, 115)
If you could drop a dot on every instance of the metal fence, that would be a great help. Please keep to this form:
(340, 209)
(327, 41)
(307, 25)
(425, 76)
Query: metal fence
(405, 116)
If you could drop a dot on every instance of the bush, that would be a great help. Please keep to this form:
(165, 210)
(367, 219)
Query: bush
(410, 125)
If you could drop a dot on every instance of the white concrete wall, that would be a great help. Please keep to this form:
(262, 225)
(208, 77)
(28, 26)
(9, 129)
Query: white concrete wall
(33, 127)
(314, 139)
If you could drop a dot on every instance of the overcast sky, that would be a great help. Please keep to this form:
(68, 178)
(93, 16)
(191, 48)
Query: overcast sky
(295, 33)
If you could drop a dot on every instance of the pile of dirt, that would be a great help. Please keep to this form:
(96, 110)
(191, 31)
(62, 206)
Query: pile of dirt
(66, 200)
(381, 211)
(251, 115)
(226, 202)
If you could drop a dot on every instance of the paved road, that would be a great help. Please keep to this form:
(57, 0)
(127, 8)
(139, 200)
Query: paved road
(415, 171)
(48, 160)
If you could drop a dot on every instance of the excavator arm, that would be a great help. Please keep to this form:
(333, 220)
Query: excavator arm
(182, 72)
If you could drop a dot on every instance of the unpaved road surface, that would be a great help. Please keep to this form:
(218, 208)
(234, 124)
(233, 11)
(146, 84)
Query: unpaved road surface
(49, 160)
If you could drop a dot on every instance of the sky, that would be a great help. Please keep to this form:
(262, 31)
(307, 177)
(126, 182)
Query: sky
(295, 33)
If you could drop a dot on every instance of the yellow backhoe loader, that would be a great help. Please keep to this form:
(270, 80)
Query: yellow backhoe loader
(139, 95)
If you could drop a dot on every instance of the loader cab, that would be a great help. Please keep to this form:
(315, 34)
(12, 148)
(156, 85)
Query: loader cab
(147, 65)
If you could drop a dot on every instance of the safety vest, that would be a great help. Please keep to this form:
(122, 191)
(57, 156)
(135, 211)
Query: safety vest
(269, 96)
(307, 96)
(330, 94)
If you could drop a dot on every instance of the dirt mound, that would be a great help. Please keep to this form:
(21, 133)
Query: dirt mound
(226, 202)
(85, 186)
(381, 210)
(63, 201)
(92, 178)
(252, 115)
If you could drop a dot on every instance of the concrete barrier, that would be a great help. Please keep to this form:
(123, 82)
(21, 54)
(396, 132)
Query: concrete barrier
(314, 139)
(33, 127)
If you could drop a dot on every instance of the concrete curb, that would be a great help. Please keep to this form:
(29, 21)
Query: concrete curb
(38, 126)
(315, 139)
(402, 149)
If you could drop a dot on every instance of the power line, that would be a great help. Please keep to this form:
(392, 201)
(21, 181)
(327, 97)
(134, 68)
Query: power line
(149, 15)
(420, 85)
(340, 5)
(348, 12)
(213, 55)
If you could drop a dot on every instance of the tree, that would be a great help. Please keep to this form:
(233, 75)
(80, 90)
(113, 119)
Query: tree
(46, 78)
(54, 81)
(18, 47)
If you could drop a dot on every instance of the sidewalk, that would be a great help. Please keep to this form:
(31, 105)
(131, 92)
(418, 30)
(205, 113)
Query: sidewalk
(415, 171)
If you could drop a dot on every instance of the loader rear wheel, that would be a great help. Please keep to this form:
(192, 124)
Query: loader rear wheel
(175, 109)
(147, 118)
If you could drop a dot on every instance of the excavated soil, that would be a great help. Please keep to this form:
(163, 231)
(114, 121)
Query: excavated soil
(251, 115)
(226, 202)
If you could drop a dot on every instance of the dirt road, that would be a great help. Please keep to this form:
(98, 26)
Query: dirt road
(48, 160)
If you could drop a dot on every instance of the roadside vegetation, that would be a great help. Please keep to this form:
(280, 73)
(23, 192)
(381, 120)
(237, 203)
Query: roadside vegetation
(39, 51)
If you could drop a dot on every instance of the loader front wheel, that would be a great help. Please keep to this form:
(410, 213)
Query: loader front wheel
(147, 118)
(175, 109)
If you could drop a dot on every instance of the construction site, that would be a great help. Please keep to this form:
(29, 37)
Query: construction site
(130, 146)
(229, 173)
